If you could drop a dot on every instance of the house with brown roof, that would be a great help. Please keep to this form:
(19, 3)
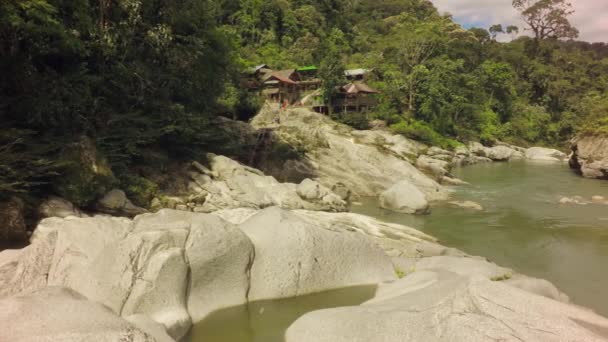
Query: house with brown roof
(302, 86)
(282, 86)
(353, 97)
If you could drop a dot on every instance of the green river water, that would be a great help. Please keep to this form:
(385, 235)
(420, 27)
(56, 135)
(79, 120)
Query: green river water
(522, 227)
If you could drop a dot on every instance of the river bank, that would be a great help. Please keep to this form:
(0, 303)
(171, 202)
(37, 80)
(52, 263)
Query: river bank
(238, 239)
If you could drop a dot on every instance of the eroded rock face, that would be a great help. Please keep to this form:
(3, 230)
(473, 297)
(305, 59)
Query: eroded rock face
(404, 197)
(444, 306)
(590, 156)
(366, 162)
(295, 257)
(61, 314)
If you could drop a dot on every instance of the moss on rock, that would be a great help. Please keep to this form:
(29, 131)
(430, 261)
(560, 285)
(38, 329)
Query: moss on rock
(139, 189)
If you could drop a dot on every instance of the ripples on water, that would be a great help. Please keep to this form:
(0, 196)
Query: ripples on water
(524, 227)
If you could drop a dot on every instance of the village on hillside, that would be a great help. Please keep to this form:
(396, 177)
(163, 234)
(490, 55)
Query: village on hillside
(302, 87)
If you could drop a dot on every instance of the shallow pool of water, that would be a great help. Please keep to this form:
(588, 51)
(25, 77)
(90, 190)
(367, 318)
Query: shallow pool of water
(524, 227)
(267, 321)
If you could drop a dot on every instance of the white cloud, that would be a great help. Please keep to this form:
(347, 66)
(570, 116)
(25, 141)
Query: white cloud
(590, 16)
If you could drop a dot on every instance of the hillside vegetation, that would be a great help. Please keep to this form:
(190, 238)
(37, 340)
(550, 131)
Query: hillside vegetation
(138, 83)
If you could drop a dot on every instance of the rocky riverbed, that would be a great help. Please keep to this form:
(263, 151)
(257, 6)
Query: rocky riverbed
(172, 268)
(240, 236)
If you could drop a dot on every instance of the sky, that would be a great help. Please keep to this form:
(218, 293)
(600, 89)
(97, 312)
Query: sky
(591, 16)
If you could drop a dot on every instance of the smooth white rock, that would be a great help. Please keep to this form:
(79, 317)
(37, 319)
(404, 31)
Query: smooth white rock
(404, 197)
(294, 257)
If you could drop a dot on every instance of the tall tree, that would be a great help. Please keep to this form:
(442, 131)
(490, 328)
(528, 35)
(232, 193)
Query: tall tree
(332, 68)
(495, 30)
(547, 18)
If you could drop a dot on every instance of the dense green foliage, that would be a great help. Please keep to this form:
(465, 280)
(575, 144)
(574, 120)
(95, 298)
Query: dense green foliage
(144, 79)
(129, 74)
(437, 79)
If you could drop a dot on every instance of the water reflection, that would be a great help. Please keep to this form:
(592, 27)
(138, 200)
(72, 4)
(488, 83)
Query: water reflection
(266, 321)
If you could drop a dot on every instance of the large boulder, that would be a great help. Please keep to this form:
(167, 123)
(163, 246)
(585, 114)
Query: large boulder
(173, 267)
(294, 257)
(220, 257)
(476, 148)
(435, 167)
(12, 220)
(144, 273)
(499, 153)
(404, 197)
(61, 314)
(58, 207)
(590, 156)
(116, 203)
(74, 243)
(545, 154)
(395, 240)
(444, 306)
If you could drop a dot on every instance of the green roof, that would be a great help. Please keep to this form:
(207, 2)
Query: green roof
(307, 68)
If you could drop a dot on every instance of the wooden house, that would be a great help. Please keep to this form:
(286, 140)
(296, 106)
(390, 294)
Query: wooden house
(302, 86)
(355, 96)
(252, 78)
(282, 86)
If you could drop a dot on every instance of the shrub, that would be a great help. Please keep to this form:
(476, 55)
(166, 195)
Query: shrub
(139, 189)
(422, 132)
(355, 120)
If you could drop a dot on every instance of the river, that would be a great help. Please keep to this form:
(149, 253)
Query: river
(524, 227)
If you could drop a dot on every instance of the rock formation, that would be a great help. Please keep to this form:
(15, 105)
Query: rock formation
(366, 162)
(590, 156)
(439, 305)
